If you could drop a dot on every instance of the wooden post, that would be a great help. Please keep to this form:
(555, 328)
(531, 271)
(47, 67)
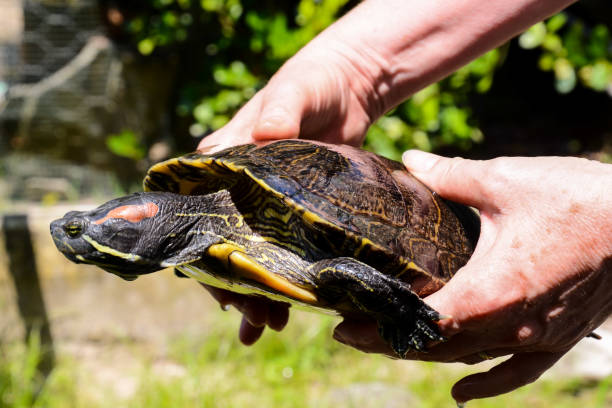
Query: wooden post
(22, 267)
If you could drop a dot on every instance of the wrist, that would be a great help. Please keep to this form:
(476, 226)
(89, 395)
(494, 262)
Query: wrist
(398, 47)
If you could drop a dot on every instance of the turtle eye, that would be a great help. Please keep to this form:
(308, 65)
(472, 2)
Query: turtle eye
(73, 228)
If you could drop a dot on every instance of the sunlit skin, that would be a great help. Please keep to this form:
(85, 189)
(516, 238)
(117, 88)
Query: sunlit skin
(541, 277)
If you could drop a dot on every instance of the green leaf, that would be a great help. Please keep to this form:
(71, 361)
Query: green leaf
(565, 76)
(533, 37)
(599, 42)
(146, 46)
(601, 75)
(126, 144)
(556, 22)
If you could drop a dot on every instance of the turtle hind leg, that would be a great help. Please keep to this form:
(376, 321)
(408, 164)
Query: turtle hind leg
(405, 321)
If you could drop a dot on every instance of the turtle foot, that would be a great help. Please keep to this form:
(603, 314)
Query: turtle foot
(413, 335)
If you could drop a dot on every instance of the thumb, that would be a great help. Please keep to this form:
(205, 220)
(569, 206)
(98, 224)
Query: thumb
(456, 179)
(281, 112)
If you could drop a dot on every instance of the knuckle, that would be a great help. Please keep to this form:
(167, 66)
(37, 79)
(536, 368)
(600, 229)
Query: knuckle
(497, 174)
(525, 336)
(529, 334)
(452, 167)
(472, 174)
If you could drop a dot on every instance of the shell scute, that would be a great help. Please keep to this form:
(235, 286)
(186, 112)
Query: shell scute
(359, 201)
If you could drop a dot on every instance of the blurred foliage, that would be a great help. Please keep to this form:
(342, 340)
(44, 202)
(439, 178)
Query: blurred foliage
(299, 368)
(234, 46)
(573, 52)
(20, 380)
(126, 144)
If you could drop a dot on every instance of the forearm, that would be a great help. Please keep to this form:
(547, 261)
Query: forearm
(401, 46)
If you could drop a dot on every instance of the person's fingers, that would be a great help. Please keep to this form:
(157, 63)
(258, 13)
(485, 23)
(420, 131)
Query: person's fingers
(521, 369)
(473, 299)
(224, 297)
(257, 311)
(362, 335)
(237, 131)
(254, 309)
(278, 315)
(249, 334)
(453, 178)
(280, 114)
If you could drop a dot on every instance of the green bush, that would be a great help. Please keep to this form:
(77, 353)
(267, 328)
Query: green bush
(234, 46)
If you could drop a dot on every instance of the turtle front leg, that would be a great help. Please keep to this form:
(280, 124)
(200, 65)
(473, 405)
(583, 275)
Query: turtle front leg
(404, 320)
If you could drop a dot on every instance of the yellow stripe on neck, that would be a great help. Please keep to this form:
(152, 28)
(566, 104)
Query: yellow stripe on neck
(110, 251)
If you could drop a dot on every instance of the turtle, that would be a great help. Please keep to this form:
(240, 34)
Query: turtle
(330, 227)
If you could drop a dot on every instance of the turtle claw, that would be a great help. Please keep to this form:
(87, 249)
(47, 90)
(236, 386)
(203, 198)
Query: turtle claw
(398, 340)
(402, 341)
(428, 331)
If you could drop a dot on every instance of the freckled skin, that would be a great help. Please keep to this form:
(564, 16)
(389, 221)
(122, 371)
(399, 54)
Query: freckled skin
(533, 301)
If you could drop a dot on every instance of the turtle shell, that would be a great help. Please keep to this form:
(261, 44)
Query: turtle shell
(379, 213)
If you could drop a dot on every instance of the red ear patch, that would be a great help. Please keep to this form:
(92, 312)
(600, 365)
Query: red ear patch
(131, 213)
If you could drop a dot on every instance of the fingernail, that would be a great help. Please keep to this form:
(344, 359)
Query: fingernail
(418, 161)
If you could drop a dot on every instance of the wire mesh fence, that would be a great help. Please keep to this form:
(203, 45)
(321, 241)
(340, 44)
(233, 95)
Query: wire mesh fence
(65, 87)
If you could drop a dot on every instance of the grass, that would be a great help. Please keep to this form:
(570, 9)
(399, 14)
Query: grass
(300, 367)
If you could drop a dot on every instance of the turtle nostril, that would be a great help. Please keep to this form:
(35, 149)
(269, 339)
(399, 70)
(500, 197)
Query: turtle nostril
(73, 228)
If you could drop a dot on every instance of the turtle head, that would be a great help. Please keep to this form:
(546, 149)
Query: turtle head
(128, 236)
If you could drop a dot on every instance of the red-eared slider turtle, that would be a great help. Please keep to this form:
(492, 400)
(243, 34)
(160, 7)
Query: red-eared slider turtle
(332, 227)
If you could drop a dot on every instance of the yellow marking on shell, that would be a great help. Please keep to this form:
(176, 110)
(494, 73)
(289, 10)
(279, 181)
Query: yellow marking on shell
(111, 251)
(185, 186)
(225, 217)
(163, 168)
(411, 266)
(206, 164)
(305, 157)
(198, 162)
(439, 218)
(242, 264)
(232, 166)
(313, 218)
(365, 242)
(415, 239)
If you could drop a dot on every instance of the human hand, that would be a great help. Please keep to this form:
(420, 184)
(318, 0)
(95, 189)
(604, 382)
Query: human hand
(326, 92)
(330, 102)
(358, 68)
(540, 278)
(257, 312)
